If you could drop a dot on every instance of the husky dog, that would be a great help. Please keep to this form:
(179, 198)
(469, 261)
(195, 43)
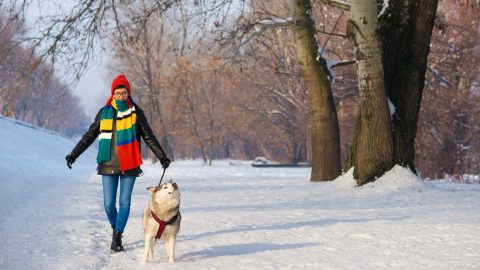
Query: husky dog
(161, 219)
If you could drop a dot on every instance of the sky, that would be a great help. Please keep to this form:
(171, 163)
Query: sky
(93, 84)
(234, 216)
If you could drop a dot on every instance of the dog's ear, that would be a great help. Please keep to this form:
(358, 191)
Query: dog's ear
(152, 189)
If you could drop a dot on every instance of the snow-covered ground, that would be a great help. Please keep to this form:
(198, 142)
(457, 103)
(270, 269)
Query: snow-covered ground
(234, 216)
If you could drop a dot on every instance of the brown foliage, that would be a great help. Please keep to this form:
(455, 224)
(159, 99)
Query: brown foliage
(448, 140)
(211, 102)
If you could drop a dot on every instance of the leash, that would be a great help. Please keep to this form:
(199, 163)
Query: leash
(161, 178)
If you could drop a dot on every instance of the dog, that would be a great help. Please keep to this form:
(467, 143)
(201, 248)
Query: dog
(161, 219)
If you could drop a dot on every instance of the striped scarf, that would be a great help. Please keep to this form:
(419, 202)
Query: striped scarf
(127, 143)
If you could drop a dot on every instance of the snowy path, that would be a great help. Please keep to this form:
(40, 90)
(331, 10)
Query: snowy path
(234, 217)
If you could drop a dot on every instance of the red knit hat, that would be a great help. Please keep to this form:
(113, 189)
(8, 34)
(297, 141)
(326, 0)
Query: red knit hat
(120, 80)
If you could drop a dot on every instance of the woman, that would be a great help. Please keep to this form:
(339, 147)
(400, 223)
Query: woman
(120, 124)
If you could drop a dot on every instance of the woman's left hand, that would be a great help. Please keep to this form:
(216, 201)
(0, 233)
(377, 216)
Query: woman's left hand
(165, 162)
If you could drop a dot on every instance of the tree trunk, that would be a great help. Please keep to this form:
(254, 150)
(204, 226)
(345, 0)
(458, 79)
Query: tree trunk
(405, 50)
(192, 104)
(325, 137)
(373, 148)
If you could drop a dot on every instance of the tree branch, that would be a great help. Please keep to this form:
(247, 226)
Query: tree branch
(437, 75)
(340, 63)
(337, 3)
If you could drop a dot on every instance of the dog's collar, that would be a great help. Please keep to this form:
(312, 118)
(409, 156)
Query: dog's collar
(163, 223)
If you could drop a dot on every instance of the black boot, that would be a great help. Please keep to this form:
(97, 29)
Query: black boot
(116, 241)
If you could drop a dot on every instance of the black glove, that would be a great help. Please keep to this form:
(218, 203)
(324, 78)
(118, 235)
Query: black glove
(70, 160)
(165, 162)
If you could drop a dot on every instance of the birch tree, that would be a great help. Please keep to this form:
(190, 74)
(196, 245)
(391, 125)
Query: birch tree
(406, 39)
(373, 152)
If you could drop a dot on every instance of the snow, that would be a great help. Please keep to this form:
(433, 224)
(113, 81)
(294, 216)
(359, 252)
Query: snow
(269, 22)
(391, 108)
(385, 6)
(233, 216)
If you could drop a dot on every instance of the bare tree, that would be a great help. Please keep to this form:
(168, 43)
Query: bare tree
(374, 119)
(324, 122)
(449, 110)
(405, 52)
(30, 91)
(324, 131)
(372, 154)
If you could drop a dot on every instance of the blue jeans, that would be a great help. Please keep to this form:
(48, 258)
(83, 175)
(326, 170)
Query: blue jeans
(110, 185)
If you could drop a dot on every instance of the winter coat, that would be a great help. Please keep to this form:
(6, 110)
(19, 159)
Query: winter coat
(112, 167)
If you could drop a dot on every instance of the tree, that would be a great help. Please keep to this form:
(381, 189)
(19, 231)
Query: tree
(449, 113)
(142, 58)
(409, 26)
(30, 91)
(406, 45)
(325, 137)
(402, 40)
(323, 128)
(372, 152)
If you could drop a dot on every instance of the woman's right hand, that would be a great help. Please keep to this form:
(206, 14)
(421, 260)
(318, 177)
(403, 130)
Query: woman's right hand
(70, 160)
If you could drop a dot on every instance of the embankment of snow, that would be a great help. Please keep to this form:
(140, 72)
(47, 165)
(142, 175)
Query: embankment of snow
(33, 166)
(397, 178)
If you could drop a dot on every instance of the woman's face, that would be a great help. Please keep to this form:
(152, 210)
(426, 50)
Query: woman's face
(120, 94)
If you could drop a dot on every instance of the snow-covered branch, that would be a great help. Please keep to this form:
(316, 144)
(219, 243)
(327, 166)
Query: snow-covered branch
(269, 22)
(385, 6)
(438, 76)
(247, 40)
(286, 98)
(337, 4)
(333, 64)
(262, 25)
(293, 74)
